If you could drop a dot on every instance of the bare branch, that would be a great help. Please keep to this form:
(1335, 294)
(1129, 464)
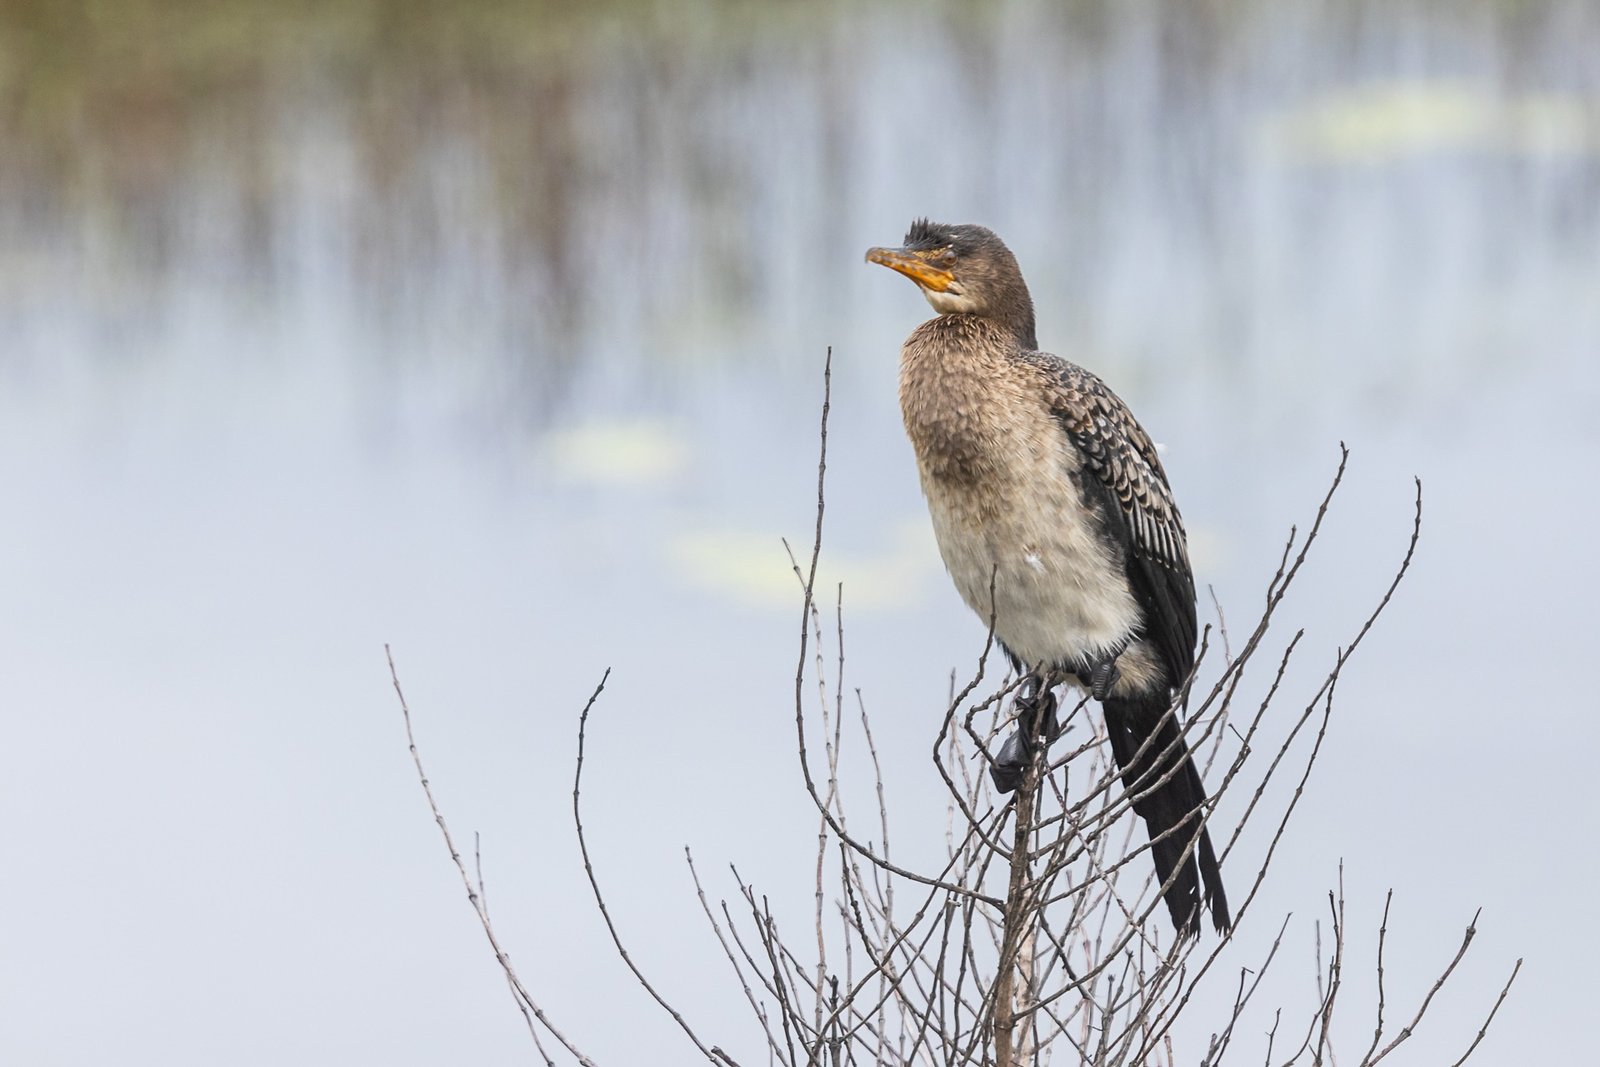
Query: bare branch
(594, 883)
(1484, 1029)
(520, 992)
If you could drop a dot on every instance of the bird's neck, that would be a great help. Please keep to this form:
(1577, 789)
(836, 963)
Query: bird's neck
(1018, 322)
(1012, 314)
(956, 383)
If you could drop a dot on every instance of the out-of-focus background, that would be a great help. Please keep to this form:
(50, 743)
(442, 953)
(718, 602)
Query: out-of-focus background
(495, 331)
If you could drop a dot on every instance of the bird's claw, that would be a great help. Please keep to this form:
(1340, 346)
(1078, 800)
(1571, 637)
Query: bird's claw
(1036, 715)
(1008, 767)
(1104, 675)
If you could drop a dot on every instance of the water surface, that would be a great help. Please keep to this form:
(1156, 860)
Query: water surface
(496, 333)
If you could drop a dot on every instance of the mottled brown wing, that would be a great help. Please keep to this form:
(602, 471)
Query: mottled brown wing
(1137, 501)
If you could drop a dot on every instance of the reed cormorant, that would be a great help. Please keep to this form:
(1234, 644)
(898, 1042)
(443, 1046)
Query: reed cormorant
(1054, 518)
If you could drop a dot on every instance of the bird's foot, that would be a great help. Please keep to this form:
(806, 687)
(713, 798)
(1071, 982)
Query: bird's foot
(1102, 677)
(1036, 718)
(1009, 766)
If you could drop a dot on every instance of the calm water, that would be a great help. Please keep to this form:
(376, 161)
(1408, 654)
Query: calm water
(497, 332)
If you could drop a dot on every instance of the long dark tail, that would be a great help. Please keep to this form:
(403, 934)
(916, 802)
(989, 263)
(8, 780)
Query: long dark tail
(1175, 805)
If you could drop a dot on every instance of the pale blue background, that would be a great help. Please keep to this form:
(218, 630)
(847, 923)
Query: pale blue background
(497, 336)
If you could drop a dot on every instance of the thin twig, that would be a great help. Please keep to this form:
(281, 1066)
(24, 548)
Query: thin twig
(519, 991)
(594, 883)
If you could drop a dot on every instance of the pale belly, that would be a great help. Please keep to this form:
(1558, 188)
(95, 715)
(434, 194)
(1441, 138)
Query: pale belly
(1056, 595)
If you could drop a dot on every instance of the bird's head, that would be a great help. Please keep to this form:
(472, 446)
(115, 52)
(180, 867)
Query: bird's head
(964, 270)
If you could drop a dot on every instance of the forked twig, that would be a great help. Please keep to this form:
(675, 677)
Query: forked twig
(519, 991)
(594, 883)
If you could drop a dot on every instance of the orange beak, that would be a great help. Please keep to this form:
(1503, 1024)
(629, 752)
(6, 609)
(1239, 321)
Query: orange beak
(913, 266)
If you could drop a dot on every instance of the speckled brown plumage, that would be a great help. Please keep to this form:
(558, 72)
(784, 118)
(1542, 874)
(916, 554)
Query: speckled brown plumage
(1124, 460)
(1055, 520)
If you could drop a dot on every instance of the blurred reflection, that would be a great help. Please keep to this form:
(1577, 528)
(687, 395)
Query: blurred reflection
(494, 328)
(534, 189)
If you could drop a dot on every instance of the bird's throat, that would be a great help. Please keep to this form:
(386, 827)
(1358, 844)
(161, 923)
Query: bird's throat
(956, 384)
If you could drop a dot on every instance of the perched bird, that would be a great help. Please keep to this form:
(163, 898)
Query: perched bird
(1055, 520)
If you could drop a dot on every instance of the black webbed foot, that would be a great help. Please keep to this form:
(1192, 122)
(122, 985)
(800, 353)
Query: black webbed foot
(1008, 767)
(1036, 716)
(1102, 677)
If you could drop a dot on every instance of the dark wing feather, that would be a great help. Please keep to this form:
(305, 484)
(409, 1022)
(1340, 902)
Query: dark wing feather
(1136, 499)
